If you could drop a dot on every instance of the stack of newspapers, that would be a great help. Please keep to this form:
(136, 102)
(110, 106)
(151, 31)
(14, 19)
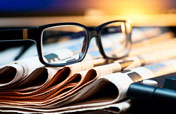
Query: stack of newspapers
(27, 86)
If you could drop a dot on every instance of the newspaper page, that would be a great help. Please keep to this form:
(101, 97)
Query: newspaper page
(145, 34)
(154, 47)
(118, 82)
(139, 41)
(69, 72)
(121, 81)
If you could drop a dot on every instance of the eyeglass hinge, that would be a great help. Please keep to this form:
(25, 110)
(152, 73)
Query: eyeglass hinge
(25, 34)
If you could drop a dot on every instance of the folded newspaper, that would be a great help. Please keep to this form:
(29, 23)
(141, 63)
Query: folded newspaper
(53, 90)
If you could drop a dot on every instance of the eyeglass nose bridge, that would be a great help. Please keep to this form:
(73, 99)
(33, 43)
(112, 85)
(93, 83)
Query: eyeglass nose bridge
(93, 33)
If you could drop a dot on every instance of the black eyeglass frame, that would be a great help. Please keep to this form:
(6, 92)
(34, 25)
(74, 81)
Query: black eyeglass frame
(35, 34)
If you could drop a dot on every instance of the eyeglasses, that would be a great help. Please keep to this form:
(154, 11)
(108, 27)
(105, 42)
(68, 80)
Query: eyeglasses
(112, 39)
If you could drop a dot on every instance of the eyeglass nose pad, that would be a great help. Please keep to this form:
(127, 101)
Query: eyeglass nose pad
(99, 44)
(83, 50)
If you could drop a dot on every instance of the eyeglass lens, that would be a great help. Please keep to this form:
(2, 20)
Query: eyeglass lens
(63, 44)
(114, 39)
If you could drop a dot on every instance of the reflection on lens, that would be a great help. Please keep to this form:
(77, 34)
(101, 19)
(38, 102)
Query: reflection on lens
(114, 39)
(63, 44)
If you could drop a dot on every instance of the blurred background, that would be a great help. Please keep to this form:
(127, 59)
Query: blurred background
(150, 18)
(37, 12)
(79, 7)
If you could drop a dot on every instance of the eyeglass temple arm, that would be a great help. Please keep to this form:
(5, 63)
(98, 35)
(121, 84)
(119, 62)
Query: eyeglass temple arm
(19, 34)
(14, 34)
(23, 50)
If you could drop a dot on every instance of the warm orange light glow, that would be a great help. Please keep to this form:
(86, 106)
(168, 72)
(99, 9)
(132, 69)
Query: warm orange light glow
(139, 11)
(129, 26)
(123, 28)
(130, 7)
